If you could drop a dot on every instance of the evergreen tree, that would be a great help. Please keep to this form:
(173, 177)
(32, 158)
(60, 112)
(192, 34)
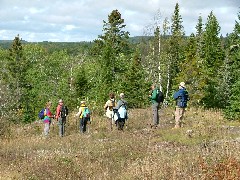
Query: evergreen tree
(17, 67)
(190, 71)
(213, 57)
(134, 85)
(232, 110)
(109, 50)
(176, 45)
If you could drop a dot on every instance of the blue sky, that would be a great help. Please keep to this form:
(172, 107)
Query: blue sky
(82, 20)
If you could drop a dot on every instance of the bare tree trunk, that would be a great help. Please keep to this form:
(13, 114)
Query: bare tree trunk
(168, 78)
(159, 63)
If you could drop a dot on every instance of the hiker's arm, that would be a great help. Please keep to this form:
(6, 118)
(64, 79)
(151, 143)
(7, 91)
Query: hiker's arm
(57, 112)
(106, 105)
(176, 95)
(79, 112)
(119, 103)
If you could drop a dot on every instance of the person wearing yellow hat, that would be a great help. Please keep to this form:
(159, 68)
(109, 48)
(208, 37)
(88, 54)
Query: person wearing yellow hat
(84, 116)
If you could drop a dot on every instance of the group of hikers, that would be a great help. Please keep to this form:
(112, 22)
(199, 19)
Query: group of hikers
(61, 116)
(181, 97)
(116, 111)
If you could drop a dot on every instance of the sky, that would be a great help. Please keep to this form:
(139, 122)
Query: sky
(82, 20)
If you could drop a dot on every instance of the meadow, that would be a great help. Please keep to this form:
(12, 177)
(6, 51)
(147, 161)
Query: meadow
(207, 147)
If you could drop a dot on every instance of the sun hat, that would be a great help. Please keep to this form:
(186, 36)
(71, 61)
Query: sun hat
(83, 102)
(121, 95)
(182, 84)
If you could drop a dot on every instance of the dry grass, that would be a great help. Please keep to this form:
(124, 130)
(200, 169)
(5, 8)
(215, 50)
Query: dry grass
(207, 147)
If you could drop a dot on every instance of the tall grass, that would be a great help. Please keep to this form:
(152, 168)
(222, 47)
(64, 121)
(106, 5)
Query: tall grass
(210, 151)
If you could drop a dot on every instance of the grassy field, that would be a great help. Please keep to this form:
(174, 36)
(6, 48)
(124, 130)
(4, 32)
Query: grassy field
(207, 147)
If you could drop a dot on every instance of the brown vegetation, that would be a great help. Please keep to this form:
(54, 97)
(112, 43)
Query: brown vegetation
(207, 147)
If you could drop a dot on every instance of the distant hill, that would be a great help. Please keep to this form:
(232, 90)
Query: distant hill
(6, 44)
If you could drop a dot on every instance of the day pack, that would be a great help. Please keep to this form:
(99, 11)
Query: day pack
(86, 112)
(111, 104)
(122, 112)
(42, 113)
(159, 97)
(183, 98)
(64, 111)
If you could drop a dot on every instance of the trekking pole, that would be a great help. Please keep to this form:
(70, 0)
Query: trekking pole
(76, 124)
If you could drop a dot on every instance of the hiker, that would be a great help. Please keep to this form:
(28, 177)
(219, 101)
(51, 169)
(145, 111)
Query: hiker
(84, 116)
(61, 116)
(47, 118)
(181, 97)
(122, 112)
(155, 100)
(108, 107)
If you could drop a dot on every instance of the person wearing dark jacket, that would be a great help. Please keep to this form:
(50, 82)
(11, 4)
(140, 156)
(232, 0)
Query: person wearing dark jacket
(181, 97)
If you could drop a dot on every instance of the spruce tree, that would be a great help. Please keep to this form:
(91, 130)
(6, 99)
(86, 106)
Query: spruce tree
(111, 50)
(232, 110)
(176, 44)
(213, 57)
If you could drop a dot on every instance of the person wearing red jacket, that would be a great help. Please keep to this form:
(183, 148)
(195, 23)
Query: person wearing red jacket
(61, 117)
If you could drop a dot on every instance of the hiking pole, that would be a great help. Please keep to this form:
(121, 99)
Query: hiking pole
(76, 124)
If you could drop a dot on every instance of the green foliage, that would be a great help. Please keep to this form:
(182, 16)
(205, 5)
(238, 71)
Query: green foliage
(213, 57)
(34, 73)
(134, 84)
(176, 49)
(190, 72)
(110, 53)
(232, 110)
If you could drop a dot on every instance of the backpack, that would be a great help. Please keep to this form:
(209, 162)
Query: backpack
(160, 96)
(42, 113)
(122, 111)
(64, 111)
(86, 112)
(183, 98)
(111, 104)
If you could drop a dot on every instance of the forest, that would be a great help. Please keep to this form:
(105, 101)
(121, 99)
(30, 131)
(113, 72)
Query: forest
(33, 73)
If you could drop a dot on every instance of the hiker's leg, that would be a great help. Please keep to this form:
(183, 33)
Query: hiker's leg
(123, 123)
(177, 117)
(82, 125)
(182, 110)
(46, 128)
(60, 124)
(155, 114)
(63, 125)
(120, 124)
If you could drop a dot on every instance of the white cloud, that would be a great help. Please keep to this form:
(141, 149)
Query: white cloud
(79, 20)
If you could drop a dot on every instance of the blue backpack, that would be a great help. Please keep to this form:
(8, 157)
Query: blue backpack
(42, 113)
(183, 98)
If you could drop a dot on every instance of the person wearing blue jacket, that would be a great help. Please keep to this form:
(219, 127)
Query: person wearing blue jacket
(181, 97)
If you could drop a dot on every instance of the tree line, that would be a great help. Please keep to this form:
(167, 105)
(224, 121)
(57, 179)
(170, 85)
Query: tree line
(32, 73)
